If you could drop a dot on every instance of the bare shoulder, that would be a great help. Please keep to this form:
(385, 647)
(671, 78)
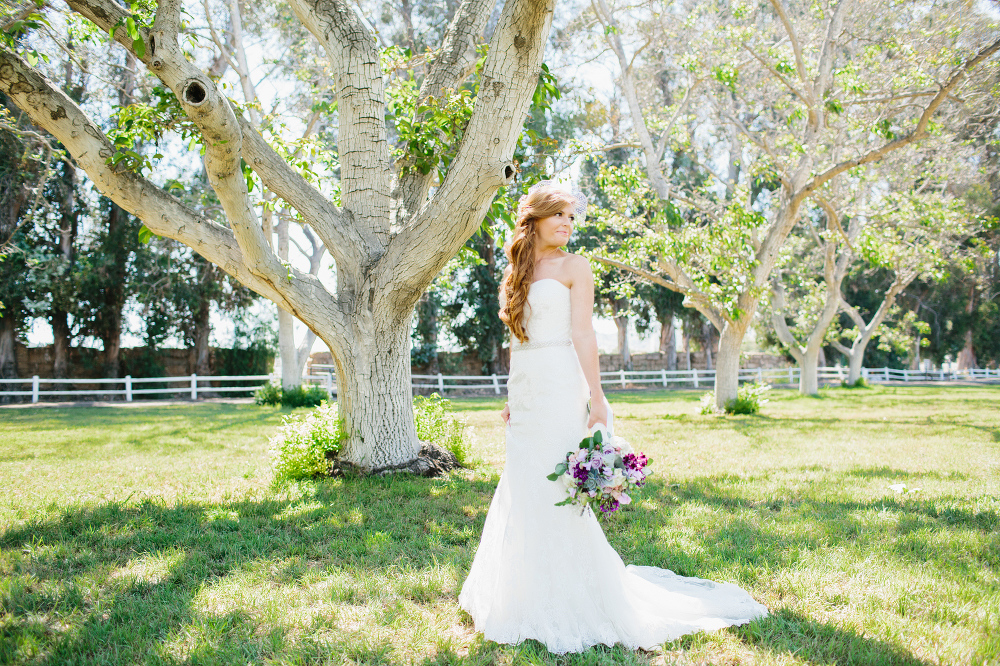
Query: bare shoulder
(577, 268)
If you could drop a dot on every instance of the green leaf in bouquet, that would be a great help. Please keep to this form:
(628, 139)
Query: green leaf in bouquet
(598, 437)
(552, 477)
(568, 500)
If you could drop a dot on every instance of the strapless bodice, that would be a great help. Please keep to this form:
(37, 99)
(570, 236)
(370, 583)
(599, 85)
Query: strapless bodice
(548, 314)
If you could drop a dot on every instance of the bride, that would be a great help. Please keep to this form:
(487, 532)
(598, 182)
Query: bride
(545, 572)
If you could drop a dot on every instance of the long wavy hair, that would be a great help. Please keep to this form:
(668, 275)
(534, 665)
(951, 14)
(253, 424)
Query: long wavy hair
(543, 202)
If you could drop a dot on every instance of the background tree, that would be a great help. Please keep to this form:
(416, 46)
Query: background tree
(388, 240)
(786, 89)
(912, 236)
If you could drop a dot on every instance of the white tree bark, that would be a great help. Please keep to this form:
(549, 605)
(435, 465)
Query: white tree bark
(383, 264)
(834, 271)
(856, 352)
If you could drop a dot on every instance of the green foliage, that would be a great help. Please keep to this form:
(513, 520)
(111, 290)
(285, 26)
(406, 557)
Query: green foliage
(303, 395)
(268, 394)
(305, 443)
(748, 400)
(716, 253)
(437, 422)
(860, 383)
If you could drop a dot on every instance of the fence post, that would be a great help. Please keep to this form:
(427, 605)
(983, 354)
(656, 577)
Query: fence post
(663, 375)
(329, 386)
(194, 386)
(760, 375)
(791, 376)
(34, 388)
(441, 383)
(496, 384)
(128, 388)
(906, 375)
(885, 374)
(622, 371)
(695, 371)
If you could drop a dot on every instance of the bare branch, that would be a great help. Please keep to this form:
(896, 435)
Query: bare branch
(627, 79)
(781, 77)
(361, 142)
(800, 66)
(51, 109)
(919, 132)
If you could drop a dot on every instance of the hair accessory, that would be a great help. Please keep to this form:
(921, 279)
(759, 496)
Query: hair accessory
(579, 198)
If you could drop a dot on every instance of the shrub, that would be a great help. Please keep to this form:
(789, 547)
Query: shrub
(437, 423)
(304, 443)
(860, 383)
(303, 396)
(749, 398)
(300, 396)
(268, 394)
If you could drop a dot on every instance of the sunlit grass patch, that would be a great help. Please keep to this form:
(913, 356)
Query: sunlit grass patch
(867, 521)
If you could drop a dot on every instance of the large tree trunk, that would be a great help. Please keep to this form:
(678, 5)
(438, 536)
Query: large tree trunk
(8, 356)
(60, 344)
(809, 371)
(727, 367)
(707, 330)
(668, 345)
(375, 396)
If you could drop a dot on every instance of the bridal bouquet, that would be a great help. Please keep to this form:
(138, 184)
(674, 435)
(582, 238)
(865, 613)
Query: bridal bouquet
(599, 473)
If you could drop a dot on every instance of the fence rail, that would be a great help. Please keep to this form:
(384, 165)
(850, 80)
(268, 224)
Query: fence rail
(323, 375)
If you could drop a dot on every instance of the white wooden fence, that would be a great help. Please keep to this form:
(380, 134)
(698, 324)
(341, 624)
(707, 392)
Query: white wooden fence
(192, 386)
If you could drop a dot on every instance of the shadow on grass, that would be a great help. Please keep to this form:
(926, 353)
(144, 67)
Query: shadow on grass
(119, 584)
(787, 633)
(73, 589)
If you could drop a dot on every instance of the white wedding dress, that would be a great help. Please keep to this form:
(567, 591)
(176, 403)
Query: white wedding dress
(548, 572)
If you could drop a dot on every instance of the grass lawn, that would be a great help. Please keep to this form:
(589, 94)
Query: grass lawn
(156, 535)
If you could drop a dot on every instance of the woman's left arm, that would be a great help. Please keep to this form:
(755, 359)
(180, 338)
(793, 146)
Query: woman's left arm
(584, 339)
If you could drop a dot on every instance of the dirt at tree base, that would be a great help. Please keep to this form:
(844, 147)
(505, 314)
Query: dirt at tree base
(432, 461)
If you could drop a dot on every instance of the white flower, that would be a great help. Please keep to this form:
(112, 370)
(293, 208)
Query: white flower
(618, 478)
(568, 482)
(620, 442)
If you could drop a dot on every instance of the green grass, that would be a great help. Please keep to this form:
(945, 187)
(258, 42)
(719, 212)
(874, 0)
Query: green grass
(155, 535)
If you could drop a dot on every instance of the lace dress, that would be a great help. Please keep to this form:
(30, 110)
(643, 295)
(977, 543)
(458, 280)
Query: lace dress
(548, 572)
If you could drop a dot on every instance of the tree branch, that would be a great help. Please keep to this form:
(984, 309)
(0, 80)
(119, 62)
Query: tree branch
(51, 109)
(361, 140)
(612, 32)
(919, 132)
(483, 162)
(800, 66)
(778, 307)
(454, 62)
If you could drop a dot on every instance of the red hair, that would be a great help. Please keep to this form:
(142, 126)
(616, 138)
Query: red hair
(543, 202)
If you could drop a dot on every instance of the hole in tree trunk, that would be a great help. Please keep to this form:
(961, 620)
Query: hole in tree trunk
(508, 172)
(194, 93)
